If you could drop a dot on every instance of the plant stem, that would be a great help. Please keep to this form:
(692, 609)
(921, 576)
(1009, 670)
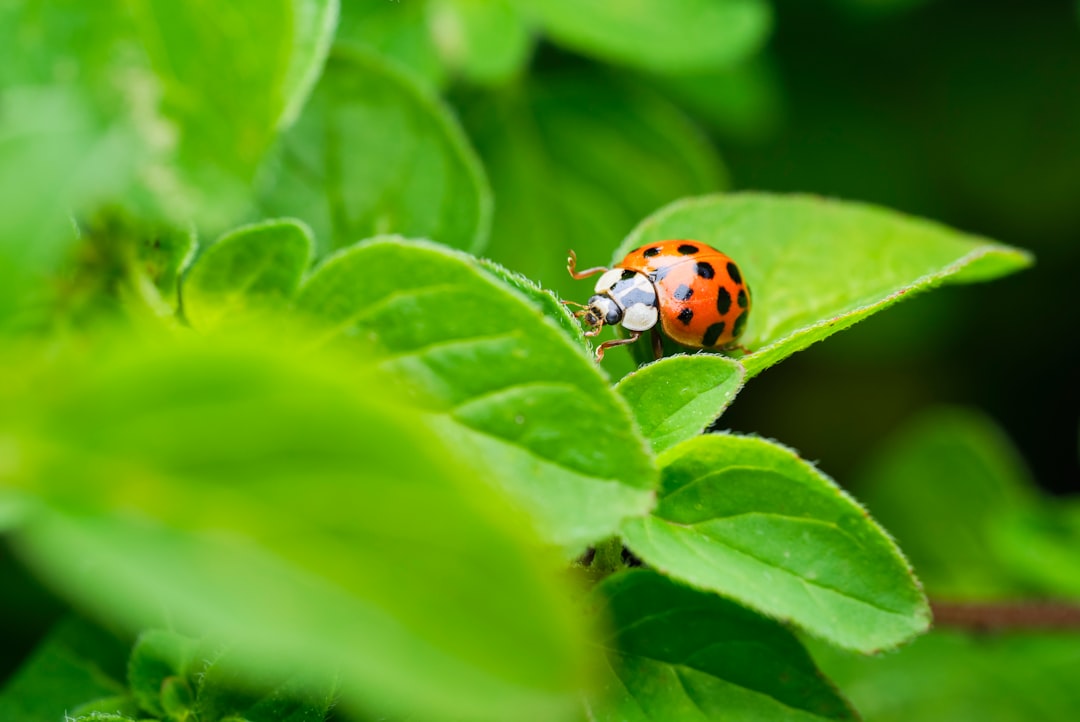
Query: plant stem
(607, 558)
(1003, 616)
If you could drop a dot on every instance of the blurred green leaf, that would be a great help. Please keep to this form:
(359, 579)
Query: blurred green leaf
(1039, 546)
(397, 31)
(227, 690)
(76, 662)
(749, 519)
(486, 41)
(502, 382)
(160, 656)
(743, 102)
(372, 153)
(949, 676)
(818, 266)
(287, 502)
(230, 75)
(666, 35)
(676, 398)
(943, 485)
(575, 161)
(250, 272)
(162, 255)
(680, 654)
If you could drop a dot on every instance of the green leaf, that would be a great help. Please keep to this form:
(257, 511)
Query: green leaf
(679, 654)
(232, 74)
(162, 255)
(664, 35)
(75, 663)
(947, 676)
(288, 502)
(373, 152)
(577, 159)
(944, 485)
(817, 266)
(748, 519)
(676, 398)
(119, 707)
(252, 271)
(398, 31)
(227, 689)
(486, 41)
(499, 379)
(159, 658)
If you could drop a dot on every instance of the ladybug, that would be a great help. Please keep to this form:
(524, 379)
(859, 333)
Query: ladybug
(696, 293)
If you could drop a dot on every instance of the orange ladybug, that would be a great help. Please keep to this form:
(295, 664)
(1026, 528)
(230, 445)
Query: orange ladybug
(696, 293)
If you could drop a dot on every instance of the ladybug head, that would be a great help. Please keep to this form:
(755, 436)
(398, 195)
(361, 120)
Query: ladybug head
(601, 310)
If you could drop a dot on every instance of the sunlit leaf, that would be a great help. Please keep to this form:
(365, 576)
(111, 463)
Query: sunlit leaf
(817, 266)
(680, 654)
(502, 383)
(253, 270)
(750, 520)
(676, 398)
(286, 502)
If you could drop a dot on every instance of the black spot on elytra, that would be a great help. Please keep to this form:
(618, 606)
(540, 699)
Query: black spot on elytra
(705, 270)
(742, 299)
(687, 250)
(740, 324)
(627, 274)
(683, 292)
(733, 271)
(723, 300)
(686, 316)
(650, 252)
(713, 334)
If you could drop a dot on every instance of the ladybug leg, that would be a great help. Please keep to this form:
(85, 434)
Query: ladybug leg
(634, 336)
(738, 347)
(571, 266)
(657, 344)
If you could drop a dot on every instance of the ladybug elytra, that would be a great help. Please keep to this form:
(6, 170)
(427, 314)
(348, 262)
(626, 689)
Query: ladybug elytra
(694, 292)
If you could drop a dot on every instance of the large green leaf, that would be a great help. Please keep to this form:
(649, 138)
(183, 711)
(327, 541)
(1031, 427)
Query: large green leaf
(486, 41)
(749, 519)
(817, 266)
(75, 663)
(288, 502)
(251, 271)
(374, 152)
(665, 35)
(501, 381)
(676, 398)
(680, 654)
(398, 31)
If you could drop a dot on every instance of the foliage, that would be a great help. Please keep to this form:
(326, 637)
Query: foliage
(334, 465)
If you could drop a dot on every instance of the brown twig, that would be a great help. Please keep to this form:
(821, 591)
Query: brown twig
(1006, 616)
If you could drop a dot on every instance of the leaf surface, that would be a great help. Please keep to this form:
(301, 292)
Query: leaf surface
(501, 381)
(288, 502)
(253, 270)
(374, 152)
(680, 654)
(676, 398)
(750, 520)
(817, 266)
(657, 35)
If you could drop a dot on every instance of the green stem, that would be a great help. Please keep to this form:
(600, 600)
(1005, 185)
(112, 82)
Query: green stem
(607, 558)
